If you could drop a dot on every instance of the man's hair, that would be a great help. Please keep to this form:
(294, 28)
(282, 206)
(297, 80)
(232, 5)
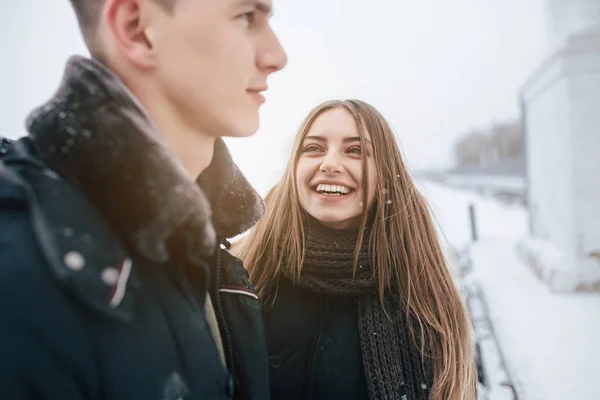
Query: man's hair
(88, 15)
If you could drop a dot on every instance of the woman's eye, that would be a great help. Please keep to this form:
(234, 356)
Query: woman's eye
(354, 150)
(311, 149)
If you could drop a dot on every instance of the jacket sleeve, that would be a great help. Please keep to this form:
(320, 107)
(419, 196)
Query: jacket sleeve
(44, 351)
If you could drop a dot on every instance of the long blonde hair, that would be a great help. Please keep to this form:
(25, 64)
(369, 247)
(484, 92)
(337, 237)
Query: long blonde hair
(403, 237)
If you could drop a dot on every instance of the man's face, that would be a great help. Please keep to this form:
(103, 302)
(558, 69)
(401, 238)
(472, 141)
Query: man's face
(213, 60)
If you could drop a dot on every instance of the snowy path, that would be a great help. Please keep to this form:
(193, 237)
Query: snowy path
(551, 342)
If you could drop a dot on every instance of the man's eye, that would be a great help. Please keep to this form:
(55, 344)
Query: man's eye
(249, 18)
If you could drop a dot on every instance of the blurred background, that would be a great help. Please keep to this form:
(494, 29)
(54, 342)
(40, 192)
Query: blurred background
(496, 104)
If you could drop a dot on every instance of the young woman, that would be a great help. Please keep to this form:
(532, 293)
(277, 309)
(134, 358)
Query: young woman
(358, 300)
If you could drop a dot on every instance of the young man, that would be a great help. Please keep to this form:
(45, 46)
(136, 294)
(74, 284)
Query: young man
(112, 209)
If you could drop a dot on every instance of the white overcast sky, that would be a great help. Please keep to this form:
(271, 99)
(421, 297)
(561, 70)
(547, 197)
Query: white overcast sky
(434, 68)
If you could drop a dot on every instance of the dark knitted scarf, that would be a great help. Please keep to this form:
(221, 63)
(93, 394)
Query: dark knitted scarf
(391, 359)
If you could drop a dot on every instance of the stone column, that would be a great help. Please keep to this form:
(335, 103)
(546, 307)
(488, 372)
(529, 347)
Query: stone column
(561, 107)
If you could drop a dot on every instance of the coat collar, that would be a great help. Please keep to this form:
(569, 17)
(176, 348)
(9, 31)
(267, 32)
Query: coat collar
(108, 193)
(97, 135)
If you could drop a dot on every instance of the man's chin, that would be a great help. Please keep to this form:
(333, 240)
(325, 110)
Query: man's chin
(243, 129)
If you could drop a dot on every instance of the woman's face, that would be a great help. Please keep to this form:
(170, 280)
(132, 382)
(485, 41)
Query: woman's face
(329, 170)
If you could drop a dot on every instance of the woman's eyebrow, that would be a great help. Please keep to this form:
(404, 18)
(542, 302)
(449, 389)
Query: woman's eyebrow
(346, 140)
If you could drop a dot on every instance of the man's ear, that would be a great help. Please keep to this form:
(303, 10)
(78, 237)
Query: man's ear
(129, 26)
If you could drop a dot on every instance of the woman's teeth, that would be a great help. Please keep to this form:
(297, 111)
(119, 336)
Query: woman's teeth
(333, 190)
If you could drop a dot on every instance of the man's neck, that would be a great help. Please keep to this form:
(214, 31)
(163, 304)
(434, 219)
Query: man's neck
(193, 149)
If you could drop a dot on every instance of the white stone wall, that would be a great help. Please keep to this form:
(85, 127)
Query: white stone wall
(562, 115)
(548, 162)
(585, 117)
(568, 17)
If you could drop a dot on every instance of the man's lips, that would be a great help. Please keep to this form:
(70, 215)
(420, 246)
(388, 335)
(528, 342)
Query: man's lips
(257, 95)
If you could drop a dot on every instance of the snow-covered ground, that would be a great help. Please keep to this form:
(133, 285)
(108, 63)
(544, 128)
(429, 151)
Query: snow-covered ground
(551, 342)
(514, 184)
(495, 220)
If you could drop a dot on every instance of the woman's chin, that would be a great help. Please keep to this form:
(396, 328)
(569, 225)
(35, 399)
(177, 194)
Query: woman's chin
(337, 221)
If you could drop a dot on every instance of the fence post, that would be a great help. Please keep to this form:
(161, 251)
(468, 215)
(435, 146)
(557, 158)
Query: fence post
(473, 222)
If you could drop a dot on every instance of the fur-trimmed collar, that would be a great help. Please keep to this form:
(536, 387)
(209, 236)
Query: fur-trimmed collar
(97, 135)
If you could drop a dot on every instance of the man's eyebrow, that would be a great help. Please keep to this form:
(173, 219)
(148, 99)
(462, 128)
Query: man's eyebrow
(264, 7)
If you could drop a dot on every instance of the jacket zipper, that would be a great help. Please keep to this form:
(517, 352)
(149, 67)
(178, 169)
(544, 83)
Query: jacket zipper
(308, 381)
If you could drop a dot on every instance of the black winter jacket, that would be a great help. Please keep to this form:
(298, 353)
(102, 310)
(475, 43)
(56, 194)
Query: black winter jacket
(313, 344)
(83, 314)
